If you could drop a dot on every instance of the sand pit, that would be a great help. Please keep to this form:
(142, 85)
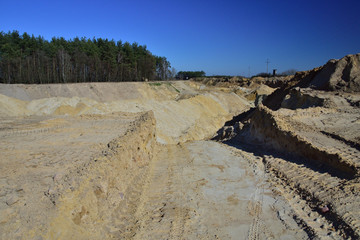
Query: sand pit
(133, 161)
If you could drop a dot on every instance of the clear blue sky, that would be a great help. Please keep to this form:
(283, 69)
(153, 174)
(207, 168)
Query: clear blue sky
(219, 37)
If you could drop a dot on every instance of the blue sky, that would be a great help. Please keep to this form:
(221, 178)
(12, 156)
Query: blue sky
(219, 37)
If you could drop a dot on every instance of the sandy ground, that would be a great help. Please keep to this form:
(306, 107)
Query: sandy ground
(84, 161)
(207, 190)
(195, 190)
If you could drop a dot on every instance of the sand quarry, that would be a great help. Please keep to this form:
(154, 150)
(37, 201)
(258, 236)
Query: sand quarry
(271, 158)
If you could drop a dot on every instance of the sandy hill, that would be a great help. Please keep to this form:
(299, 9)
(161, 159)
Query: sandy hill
(339, 75)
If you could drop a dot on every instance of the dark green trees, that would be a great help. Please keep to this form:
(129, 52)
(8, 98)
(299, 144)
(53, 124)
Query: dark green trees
(163, 71)
(29, 59)
(190, 74)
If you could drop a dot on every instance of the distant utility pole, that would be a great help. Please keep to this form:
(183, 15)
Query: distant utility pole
(249, 72)
(267, 66)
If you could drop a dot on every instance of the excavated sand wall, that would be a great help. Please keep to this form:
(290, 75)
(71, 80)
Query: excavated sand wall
(266, 127)
(89, 198)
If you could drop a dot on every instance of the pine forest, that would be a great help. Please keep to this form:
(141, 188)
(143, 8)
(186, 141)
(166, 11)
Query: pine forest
(34, 60)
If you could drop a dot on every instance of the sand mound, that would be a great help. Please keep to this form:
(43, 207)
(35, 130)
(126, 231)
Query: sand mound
(339, 75)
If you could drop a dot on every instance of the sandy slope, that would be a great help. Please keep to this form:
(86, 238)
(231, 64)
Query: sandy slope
(179, 107)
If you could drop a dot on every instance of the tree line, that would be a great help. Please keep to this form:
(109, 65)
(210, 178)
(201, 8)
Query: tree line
(190, 74)
(34, 60)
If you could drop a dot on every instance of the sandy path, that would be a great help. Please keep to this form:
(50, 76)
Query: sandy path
(207, 190)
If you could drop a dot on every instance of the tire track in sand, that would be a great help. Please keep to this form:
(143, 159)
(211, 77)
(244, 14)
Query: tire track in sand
(161, 214)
